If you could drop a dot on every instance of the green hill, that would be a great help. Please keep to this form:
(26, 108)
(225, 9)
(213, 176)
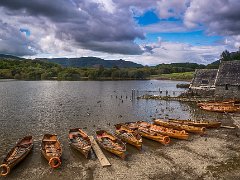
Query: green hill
(9, 57)
(85, 62)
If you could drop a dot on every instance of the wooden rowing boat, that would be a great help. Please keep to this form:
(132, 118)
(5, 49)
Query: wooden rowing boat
(145, 131)
(51, 150)
(111, 143)
(144, 124)
(132, 125)
(178, 126)
(170, 132)
(198, 123)
(229, 107)
(149, 134)
(130, 136)
(80, 141)
(16, 154)
(179, 134)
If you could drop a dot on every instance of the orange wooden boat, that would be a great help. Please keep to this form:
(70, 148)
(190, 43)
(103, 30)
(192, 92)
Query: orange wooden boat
(178, 126)
(111, 143)
(145, 131)
(16, 155)
(198, 123)
(170, 132)
(80, 141)
(229, 106)
(144, 124)
(132, 125)
(130, 136)
(51, 150)
(149, 134)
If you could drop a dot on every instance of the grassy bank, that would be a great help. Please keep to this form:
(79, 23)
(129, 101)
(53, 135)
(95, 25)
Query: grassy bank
(186, 76)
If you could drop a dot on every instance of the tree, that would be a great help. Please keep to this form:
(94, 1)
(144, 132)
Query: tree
(226, 56)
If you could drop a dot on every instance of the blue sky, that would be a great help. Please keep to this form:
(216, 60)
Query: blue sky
(194, 37)
(26, 31)
(147, 32)
(147, 18)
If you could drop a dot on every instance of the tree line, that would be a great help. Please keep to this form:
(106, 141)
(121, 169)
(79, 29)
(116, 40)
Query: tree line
(39, 70)
(25, 69)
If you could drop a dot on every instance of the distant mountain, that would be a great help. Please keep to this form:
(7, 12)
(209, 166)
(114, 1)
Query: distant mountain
(91, 62)
(213, 65)
(5, 56)
(225, 56)
(178, 67)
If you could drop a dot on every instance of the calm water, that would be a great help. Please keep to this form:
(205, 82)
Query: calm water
(38, 107)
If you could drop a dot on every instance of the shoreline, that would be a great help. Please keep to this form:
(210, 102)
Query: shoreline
(103, 79)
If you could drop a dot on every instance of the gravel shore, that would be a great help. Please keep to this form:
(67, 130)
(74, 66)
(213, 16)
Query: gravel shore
(215, 155)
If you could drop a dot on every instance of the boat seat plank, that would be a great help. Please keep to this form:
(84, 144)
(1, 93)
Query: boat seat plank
(49, 140)
(101, 157)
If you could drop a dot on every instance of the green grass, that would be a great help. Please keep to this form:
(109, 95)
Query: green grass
(175, 76)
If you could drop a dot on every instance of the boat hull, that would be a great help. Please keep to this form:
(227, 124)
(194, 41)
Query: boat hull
(170, 132)
(135, 142)
(146, 133)
(129, 136)
(118, 153)
(191, 129)
(111, 143)
(80, 141)
(22, 148)
(85, 152)
(132, 125)
(52, 150)
(201, 123)
(222, 107)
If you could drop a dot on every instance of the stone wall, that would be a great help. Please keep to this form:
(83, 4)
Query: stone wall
(206, 92)
(233, 93)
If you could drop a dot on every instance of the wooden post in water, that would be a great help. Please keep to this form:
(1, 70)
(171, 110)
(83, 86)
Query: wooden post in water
(132, 94)
(101, 157)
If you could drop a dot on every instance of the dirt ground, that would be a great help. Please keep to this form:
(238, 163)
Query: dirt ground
(212, 156)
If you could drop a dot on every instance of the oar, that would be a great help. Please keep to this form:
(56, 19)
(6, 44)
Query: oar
(228, 127)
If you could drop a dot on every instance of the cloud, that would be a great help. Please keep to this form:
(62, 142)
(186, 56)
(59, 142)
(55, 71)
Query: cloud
(219, 16)
(169, 52)
(233, 42)
(13, 41)
(172, 8)
(94, 25)
(164, 26)
(107, 28)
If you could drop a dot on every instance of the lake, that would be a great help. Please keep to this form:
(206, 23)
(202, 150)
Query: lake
(39, 107)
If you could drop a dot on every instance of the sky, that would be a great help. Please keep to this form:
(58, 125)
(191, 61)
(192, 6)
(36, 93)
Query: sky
(148, 32)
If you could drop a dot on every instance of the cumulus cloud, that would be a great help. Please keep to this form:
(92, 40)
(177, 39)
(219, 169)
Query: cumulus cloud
(172, 8)
(106, 28)
(169, 52)
(13, 41)
(163, 27)
(233, 42)
(219, 17)
(88, 24)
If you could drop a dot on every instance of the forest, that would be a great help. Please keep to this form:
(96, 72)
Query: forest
(12, 67)
(40, 70)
